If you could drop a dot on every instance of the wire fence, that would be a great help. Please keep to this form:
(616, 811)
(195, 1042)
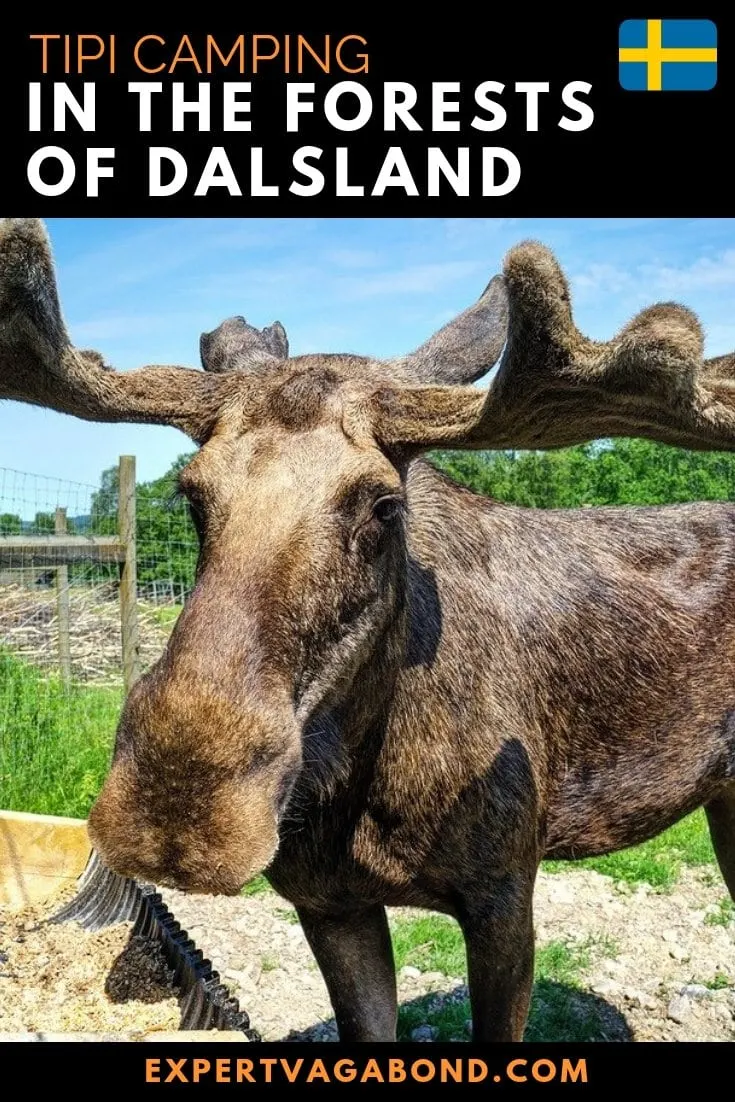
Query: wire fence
(61, 652)
(166, 559)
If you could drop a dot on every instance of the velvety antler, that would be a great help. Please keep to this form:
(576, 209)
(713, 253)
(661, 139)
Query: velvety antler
(237, 346)
(556, 387)
(38, 363)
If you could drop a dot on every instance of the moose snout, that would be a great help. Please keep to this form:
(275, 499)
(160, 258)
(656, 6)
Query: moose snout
(196, 789)
(213, 845)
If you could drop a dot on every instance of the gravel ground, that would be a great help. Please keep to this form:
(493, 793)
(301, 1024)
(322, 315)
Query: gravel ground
(659, 966)
(658, 970)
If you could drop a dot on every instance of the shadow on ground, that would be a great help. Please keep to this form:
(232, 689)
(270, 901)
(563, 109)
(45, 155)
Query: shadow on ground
(558, 1013)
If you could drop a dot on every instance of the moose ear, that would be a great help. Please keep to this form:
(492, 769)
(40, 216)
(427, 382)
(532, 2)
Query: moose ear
(237, 346)
(466, 348)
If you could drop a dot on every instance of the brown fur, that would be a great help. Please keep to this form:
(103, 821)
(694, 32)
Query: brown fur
(389, 690)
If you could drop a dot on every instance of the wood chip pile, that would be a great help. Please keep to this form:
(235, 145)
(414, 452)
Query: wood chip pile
(29, 630)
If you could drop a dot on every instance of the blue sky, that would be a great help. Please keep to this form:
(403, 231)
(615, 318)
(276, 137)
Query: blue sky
(141, 291)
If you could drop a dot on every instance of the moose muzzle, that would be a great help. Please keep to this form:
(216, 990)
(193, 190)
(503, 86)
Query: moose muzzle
(195, 791)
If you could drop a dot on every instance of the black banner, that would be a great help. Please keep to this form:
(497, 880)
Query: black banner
(528, 117)
(568, 1071)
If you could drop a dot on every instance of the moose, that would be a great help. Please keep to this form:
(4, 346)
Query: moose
(385, 689)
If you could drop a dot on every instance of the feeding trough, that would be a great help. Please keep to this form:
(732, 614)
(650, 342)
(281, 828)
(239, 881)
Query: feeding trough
(41, 856)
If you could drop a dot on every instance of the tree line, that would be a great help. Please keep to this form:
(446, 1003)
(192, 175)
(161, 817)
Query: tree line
(620, 472)
(42, 524)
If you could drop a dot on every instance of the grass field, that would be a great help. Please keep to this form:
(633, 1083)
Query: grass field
(55, 742)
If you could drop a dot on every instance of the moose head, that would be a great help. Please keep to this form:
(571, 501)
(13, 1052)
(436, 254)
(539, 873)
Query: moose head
(299, 497)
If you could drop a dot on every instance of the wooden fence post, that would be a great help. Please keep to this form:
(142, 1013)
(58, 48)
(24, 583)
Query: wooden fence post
(128, 575)
(62, 604)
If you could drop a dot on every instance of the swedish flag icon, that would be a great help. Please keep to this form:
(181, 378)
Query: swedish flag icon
(668, 55)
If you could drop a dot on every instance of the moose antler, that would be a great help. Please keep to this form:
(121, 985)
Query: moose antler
(237, 346)
(556, 387)
(553, 387)
(38, 363)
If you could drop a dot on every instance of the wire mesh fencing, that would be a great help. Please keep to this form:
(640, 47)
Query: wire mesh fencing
(61, 626)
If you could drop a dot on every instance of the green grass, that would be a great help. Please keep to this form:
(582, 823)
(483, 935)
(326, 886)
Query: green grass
(432, 943)
(450, 1018)
(562, 962)
(723, 916)
(563, 1012)
(163, 615)
(719, 982)
(256, 886)
(657, 862)
(559, 1010)
(288, 914)
(55, 742)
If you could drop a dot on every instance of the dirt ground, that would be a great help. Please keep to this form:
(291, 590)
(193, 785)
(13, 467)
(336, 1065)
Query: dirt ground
(658, 971)
(61, 978)
(650, 967)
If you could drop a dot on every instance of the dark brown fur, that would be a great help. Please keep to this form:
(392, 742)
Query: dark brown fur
(389, 690)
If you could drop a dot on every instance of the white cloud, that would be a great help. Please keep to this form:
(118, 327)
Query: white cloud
(706, 271)
(602, 279)
(598, 279)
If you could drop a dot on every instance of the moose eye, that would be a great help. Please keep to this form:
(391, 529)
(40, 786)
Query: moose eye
(387, 509)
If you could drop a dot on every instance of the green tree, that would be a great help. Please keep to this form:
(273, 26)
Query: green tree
(166, 539)
(45, 524)
(620, 472)
(10, 524)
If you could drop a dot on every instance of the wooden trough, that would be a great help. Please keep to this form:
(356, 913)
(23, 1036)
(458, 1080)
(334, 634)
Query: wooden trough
(39, 854)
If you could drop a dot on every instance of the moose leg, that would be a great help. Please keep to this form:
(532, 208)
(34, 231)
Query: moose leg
(355, 955)
(498, 933)
(721, 819)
